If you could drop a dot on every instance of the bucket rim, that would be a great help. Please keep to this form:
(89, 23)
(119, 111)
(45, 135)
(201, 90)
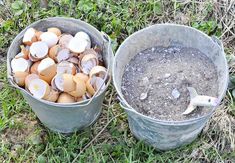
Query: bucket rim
(64, 105)
(127, 107)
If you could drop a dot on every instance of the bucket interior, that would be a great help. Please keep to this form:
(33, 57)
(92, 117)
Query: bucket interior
(66, 25)
(165, 35)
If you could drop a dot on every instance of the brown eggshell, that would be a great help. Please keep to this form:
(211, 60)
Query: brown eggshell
(52, 96)
(80, 88)
(69, 83)
(29, 78)
(48, 74)
(19, 78)
(34, 67)
(65, 98)
(53, 51)
(55, 30)
(82, 76)
(89, 87)
(38, 34)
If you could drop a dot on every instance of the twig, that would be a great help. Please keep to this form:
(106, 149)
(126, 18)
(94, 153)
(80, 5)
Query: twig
(83, 149)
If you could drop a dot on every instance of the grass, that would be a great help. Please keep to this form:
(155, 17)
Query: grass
(24, 139)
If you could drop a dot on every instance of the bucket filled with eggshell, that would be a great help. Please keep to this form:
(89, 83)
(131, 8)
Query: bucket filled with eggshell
(62, 68)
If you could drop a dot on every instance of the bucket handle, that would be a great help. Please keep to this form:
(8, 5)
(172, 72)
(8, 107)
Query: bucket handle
(107, 41)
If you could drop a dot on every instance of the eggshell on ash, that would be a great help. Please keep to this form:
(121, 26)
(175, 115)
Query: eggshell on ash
(65, 98)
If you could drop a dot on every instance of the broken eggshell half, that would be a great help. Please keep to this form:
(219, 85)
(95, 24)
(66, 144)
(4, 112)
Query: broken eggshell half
(38, 50)
(29, 78)
(54, 30)
(39, 88)
(64, 40)
(78, 45)
(19, 77)
(99, 71)
(88, 62)
(64, 82)
(47, 69)
(20, 64)
(29, 36)
(94, 84)
(52, 96)
(80, 88)
(66, 98)
(66, 67)
(49, 38)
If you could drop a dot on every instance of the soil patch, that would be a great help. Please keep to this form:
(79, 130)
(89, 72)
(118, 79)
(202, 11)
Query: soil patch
(155, 81)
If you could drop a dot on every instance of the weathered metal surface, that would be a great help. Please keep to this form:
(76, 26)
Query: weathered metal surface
(162, 134)
(65, 118)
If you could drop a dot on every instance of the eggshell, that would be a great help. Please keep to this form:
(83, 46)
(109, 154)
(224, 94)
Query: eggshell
(54, 51)
(65, 98)
(47, 69)
(52, 96)
(49, 38)
(29, 36)
(80, 88)
(85, 36)
(73, 60)
(89, 86)
(82, 76)
(39, 88)
(29, 78)
(54, 30)
(34, 67)
(69, 84)
(78, 45)
(99, 71)
(88, 62)
(38, 34)
(38, 50)
(19, 78)
(64, 40)
(19, 64)
(62, 55)
(24, 53)
(66, 67)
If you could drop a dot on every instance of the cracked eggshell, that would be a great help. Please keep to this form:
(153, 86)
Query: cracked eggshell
(49, 38)
(34, 67)
(47, 69)
(88, 62)
(66, 67)
(99, 71)
(73, 60)
(80, 88)
(54, 30)
(38, 50)
(82, 76)
(52, 96)
(20, 64)
(64, 40)
(38, 34)
(62, 55)
(99, 82)
(24, 52)
(89, 85)
(93, 84)
(83, 35)
(29, 78)
(39, 88)
(65, 98)
(29, 36)
(53, 51)
(19, 78)
(78, 45)
(64, 82)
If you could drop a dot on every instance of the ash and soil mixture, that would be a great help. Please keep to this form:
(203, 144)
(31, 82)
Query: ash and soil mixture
(155, 81)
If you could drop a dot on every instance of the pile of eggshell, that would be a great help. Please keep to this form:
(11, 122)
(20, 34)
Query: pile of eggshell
(59, 67)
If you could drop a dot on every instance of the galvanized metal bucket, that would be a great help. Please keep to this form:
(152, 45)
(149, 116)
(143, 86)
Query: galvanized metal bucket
(162, 134)
(65, 118)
